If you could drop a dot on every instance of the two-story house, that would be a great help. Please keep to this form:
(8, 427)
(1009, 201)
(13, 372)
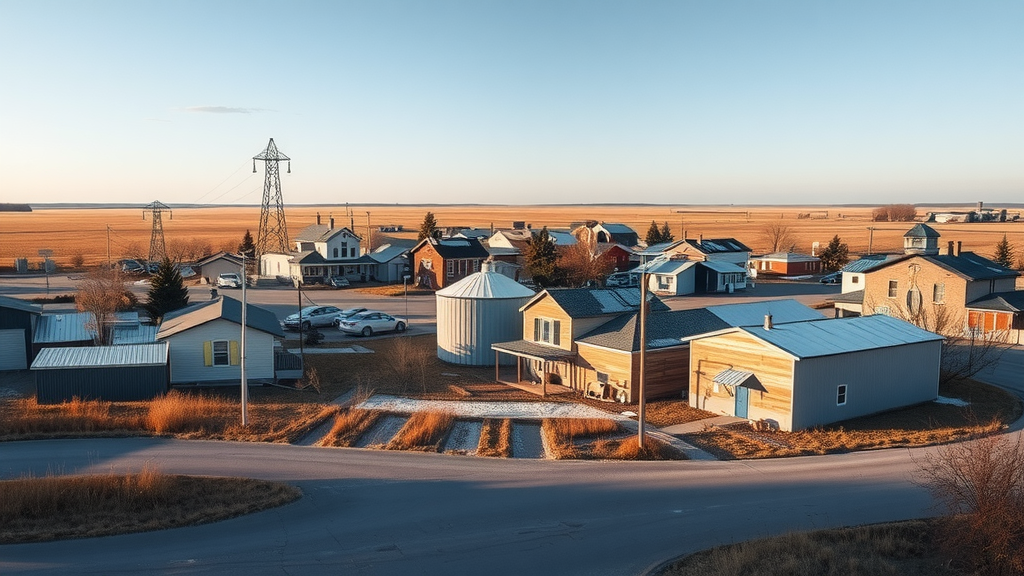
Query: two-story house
(945, 293)
(321, 252)
(439, 263)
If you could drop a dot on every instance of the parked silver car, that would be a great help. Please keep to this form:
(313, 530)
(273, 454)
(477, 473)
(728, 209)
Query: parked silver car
(312, 316)
(229, 280)
(372, 321)
(347, 313)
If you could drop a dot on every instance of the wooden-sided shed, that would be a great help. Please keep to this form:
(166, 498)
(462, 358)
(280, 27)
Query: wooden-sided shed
(806, 374)
(114, 373)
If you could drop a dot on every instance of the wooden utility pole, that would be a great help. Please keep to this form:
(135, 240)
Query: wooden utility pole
(871, 237)
(108, 246)
(369, 237)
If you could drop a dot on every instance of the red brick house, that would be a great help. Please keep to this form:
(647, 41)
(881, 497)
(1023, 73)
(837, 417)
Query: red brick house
(439, 263)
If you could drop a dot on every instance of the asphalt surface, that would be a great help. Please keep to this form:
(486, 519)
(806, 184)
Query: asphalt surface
(381, 512)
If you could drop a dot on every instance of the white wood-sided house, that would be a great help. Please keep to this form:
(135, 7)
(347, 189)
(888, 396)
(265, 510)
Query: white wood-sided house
(322, 252)
(205, 342)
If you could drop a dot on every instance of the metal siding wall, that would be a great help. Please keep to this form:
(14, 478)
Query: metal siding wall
(19, 319)
(467, 327)
(876, 381)
(116, 384)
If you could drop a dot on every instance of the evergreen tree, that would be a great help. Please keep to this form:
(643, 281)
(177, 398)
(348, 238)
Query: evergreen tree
(835, 255)
(428, 229)
(541, 258)
(653, 235)
(167, 291)
(1004, 253)
(666, 233)
(247, 247)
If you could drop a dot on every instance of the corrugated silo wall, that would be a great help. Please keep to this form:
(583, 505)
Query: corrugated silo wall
(466, 328)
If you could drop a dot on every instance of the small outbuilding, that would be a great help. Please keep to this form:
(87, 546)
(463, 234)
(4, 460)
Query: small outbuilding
(17, 322)
(805, 374)
(786, 264)
(477, 311)
(114, 373)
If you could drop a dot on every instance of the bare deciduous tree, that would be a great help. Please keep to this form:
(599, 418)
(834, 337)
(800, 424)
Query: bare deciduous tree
(189, 250)
(981, 483)
(778, 236)
(579, 264)
(894, 213)
(103, 293)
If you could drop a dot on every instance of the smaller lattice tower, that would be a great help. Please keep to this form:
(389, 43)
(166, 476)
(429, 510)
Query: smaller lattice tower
(157, 247)
(273, 231)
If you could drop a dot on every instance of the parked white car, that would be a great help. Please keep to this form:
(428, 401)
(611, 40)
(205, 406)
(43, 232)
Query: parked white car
(347, 313)
(372, 321)
(229, 280)
(312, 316)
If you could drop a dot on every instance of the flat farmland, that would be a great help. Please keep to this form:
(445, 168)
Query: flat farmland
(83, 232)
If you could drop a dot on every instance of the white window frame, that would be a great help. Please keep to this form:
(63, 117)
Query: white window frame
(894, 288)
(841, 393)
(216, 354)
(939, 293)
(545, 330)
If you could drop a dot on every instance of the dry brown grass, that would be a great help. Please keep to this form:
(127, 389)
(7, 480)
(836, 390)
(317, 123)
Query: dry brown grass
(562, 435)
(394, 290)
(895, 549)
(349, 425)
(991, 410)
(423, 431)
(629, 449)
(662, 413)
(495, 438)
(189, 414)
(223, 227)
(57, 507)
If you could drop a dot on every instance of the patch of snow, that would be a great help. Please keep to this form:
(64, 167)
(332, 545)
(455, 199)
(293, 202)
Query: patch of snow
(352, 350)
(473, 409)
(9, 393)
(952, 401)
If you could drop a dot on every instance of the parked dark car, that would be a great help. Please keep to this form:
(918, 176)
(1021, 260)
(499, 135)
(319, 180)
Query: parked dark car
(833, 278)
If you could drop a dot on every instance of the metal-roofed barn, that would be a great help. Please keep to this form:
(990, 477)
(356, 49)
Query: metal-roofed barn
(477, 311)
(114, 373)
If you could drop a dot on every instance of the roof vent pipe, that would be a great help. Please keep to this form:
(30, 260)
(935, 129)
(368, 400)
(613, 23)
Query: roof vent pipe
(959, 244)
(950, 249)
(332, 222)
(317, 218)
(767, 321)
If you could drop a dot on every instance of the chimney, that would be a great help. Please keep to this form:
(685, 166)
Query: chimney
(330, 220)
(767, 321)
(700, 238)
(317, 218)
(950, 249)
(959, 244)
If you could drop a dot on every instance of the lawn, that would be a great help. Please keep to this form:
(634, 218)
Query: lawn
(899, 548)
(59, 507)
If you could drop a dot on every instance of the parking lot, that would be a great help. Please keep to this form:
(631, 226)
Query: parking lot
(419, 309)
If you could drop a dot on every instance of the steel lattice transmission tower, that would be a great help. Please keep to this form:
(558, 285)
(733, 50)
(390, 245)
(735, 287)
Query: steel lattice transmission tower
(273, 232)
(157, 247)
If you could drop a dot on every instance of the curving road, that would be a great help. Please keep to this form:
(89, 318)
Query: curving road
(376, 512)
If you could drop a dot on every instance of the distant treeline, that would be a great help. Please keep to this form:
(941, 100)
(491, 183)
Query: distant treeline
(15, 207)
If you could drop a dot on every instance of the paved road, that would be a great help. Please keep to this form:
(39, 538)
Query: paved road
(1008, 371)
(377, 512)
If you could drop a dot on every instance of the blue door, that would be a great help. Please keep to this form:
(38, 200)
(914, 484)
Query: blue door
(741, 401)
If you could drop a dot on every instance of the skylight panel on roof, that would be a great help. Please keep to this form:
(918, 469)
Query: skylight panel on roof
(453, 242)
(608, 301)
(630, 297)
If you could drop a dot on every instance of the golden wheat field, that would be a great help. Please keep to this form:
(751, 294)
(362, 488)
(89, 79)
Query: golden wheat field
(82, 234)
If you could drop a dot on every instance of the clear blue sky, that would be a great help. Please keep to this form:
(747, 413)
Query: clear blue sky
(520, 101)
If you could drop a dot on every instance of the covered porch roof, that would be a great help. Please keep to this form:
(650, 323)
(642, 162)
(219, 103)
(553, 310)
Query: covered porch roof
(534, 351)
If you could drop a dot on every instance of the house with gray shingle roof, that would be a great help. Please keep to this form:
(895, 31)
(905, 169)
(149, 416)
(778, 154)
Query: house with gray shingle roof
(205, 343)
(321, 252)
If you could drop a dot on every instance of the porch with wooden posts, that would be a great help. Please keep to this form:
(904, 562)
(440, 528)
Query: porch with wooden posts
(546, 357)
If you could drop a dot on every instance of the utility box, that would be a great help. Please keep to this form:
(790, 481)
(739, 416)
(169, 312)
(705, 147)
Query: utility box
(21, 265)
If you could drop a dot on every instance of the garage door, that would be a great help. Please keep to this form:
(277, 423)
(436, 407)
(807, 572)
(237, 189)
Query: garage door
(12, 350)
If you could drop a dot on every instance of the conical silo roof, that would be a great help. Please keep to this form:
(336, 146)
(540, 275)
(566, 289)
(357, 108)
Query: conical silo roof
(486, 284)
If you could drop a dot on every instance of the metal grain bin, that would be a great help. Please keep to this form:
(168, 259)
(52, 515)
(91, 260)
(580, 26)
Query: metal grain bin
(478, 311)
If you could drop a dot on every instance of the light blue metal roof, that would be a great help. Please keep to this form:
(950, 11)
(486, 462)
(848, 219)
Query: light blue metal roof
(868, 262)
(671, 266)
(101, 356)
(19, 304)
(842, 335)
(71, 327)
(753, 313)
(724, 267)
(141, 334)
